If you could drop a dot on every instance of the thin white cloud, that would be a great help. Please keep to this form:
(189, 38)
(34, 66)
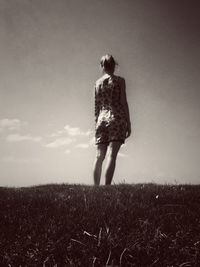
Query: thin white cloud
(19, 138)
(60, 142)
(92, 141)
(67, 151)
(10, 124)
(11, 159)
(89, 133)
(71, 131)
(67, 136)
(83, 145)
(56, 134)
(76, 131)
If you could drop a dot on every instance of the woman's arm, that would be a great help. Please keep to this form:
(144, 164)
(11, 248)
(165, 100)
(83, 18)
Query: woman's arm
(96, 105)
(125, 105)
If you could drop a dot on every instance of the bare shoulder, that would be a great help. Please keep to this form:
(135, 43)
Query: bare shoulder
(100, 80)
(98, 84)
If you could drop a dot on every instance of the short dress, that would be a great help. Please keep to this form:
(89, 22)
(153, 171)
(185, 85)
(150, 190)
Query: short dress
(110, 115)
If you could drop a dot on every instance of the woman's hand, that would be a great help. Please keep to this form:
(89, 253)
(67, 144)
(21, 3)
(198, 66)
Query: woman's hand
(128, 130)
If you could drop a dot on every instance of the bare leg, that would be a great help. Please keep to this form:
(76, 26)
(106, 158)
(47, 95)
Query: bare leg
(114, 148)
(100, 156)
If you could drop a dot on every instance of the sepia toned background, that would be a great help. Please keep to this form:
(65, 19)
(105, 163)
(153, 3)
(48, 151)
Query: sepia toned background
(50, 52)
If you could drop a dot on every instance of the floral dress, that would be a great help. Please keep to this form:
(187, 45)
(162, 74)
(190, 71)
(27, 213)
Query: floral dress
(110, 115)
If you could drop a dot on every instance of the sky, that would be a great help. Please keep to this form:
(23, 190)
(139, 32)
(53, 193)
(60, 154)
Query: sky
(50, 53)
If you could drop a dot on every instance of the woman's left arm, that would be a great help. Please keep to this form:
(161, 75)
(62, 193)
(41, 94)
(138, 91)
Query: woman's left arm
(125, 105)
(96, 105)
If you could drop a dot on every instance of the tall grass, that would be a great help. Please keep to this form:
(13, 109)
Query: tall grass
(120, 225)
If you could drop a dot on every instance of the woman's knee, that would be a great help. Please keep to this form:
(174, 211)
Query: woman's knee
(114, 149)
(101, 152)
(112, 156)
(100, 156)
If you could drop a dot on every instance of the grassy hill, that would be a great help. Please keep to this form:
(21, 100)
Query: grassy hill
(120, 225)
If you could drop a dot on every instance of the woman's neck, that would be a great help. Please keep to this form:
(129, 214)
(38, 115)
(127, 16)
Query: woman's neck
(109, 74)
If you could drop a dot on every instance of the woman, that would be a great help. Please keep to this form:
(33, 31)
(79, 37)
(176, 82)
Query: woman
(112, 118)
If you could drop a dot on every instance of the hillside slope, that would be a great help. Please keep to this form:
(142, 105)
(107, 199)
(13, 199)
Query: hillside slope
(120, 225)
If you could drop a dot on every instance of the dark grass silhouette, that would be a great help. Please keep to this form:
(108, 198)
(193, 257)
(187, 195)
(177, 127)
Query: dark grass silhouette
(120, 225)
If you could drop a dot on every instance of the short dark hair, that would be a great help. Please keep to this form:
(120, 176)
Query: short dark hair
(107, 62)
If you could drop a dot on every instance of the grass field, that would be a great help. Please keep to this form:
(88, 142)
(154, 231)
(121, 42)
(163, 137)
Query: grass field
(121, 225)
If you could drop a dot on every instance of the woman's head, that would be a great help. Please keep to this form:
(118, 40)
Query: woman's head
(108, 64)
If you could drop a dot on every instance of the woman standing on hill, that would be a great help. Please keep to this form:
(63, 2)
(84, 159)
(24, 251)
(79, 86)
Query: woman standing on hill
(111, 116)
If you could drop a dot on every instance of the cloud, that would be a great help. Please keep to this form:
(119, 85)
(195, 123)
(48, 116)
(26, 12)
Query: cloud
(19, 160)
(56, 134)
(92, 141)
(83, 145)
(69, 135)
(76, 131)
(89, 132)
(60, 142)
(67, 151)
(71, 131)
(10, 124)
(19, 138)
